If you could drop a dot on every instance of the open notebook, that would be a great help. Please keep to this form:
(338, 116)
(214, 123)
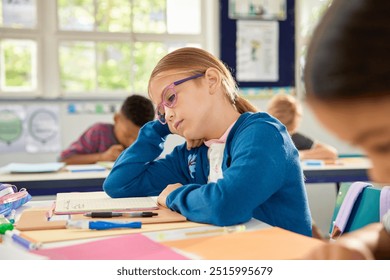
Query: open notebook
(82, 202)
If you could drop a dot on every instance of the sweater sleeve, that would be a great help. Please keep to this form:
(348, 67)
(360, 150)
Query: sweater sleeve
(258, 164)
(136, 172)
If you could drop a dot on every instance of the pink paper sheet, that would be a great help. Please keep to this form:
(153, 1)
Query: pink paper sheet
(127, 247)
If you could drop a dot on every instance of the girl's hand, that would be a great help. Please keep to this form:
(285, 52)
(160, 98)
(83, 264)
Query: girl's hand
(191, 143)
(162, 198)
(194, 143)
(335, 251)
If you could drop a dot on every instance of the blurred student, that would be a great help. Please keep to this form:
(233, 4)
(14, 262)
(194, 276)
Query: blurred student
(104, 141)
(347, 78)
(236, 164)
(288, 111)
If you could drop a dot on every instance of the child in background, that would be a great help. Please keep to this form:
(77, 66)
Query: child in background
(236, 164)
(289, 112)
(347, 83)
(103, 141)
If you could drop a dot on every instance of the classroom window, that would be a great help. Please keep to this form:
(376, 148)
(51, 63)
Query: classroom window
(92, 48)
(18, 14)
(90, 15)
(310, 11)
(18, 65)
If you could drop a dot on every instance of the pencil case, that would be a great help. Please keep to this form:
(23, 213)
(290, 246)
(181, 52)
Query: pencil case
(11, 199)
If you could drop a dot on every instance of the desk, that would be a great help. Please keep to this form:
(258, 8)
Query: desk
(254, 230)
(53, 183)
(344, 170)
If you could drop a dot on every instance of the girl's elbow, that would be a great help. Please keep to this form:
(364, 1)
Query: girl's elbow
(228, 217)
(110, 189)
(224, 221)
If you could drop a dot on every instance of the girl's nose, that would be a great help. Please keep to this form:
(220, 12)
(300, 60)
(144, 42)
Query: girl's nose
(169, 114)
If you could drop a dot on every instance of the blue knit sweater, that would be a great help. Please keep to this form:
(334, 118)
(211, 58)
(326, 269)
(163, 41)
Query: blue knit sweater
(262, 177)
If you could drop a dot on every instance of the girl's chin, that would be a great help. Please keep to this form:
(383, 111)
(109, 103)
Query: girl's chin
(187, 135)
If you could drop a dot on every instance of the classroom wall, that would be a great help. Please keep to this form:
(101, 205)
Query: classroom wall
(71, 127)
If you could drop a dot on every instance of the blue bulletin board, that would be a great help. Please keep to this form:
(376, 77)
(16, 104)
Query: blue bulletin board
(286, 50)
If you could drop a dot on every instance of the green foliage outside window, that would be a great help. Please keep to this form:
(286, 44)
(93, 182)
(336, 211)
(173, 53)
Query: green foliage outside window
(114, 66)
(17, 61)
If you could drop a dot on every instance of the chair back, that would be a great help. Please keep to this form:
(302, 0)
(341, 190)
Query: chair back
(357, 205)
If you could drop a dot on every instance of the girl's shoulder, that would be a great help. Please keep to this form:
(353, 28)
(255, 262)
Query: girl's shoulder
(262, 119)
(260, 126)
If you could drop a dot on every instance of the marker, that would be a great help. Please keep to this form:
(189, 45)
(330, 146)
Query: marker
(101, 225)
(11, 217)
(5, 224)
(16, 236)
(120, 214)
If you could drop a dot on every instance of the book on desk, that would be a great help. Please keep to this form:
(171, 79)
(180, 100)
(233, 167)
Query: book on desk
(83, 202)
(84, 167)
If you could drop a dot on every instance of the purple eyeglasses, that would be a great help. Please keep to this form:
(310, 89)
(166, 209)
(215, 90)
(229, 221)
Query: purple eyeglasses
(169, 97)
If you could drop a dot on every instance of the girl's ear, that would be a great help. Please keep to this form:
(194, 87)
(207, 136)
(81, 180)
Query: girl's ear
(213, 78)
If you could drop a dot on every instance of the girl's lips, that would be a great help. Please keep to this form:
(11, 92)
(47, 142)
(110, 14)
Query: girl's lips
(176, 125)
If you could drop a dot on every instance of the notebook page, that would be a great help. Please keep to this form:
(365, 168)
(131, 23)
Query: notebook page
(100, 201)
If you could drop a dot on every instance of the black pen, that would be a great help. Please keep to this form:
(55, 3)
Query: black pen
(120, 214)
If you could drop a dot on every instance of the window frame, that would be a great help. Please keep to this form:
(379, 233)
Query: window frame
(49, 37)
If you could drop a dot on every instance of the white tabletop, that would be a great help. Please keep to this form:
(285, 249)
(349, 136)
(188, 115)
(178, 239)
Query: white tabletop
(339, 164)
(61, 175)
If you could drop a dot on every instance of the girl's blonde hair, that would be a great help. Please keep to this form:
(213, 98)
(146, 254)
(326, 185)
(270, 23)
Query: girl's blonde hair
(194, 61)
(286, 109)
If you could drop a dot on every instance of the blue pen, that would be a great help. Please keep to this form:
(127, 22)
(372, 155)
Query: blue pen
(100, 225)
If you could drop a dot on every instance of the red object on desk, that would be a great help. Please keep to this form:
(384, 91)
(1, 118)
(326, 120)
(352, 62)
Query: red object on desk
(127, 247)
